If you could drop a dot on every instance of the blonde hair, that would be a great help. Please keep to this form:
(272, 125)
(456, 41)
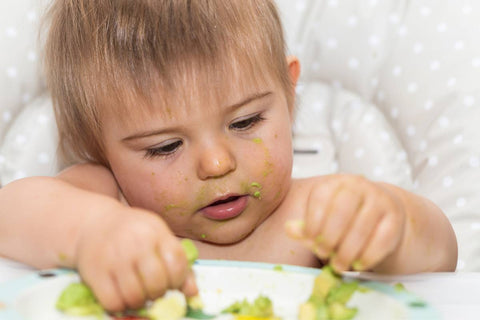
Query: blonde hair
(102, 55)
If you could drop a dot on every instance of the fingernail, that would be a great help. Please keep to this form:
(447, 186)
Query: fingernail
(295, 228)
(357, 265)
(320, 252)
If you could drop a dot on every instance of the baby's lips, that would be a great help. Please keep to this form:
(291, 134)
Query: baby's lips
(295, 229)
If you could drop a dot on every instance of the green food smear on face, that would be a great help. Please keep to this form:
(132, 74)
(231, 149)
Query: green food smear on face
(77, 299)
(169, 207)
(256, 185)
(204, 236)
(257, 194)
(257, 140)
(329, 297)
(268, 168)
(261, 307)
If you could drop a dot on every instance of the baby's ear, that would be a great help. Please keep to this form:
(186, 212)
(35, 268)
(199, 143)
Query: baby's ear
(293, 69)
(294, 73)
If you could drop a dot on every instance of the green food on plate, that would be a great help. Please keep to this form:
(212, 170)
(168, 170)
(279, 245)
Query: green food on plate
(262, 307)
(329, 297)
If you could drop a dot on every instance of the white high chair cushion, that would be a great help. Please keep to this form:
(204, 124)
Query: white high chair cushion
(30, 145)
(389, 89)
(20, 81)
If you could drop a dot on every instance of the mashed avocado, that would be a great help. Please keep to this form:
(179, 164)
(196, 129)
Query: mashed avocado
(78, 300)
(261, 308)
(329, 297)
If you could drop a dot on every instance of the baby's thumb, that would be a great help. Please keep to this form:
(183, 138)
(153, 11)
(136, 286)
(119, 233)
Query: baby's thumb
(295, 229)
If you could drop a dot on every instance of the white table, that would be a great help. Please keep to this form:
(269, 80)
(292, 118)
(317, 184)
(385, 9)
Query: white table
(455, 295)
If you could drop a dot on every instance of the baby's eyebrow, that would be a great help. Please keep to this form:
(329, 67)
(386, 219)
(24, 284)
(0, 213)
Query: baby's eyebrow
(249, 99)
(146, 134)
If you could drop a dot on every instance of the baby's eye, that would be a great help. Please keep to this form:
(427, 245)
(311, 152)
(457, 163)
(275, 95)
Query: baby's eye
(164, 150)
(246, 123)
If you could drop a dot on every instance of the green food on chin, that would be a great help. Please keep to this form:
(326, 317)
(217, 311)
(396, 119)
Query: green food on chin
(257, 193)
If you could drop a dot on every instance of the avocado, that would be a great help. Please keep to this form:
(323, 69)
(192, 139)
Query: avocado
(190, 250)
(77, 299)
(329, 297)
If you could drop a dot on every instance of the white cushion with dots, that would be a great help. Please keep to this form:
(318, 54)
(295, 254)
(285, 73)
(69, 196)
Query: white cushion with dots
(30, 146)
(19, 69)
(389, 89)
(397, 83)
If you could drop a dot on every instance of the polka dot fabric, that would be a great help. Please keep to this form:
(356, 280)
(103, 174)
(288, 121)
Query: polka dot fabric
(19, 77)
(389, 89)
(399, 99)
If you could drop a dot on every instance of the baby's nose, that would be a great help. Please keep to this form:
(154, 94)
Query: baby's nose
(215, 161)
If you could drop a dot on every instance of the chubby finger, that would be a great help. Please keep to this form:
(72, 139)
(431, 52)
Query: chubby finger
(174, 261)
(107, 293)
(356, 237)
(153, 275)
(295, 229)
(318, 204)
(130, 287)
(383, 241)
(346, 204)
(189, 287)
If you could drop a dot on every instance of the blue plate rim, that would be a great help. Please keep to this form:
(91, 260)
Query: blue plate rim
(10, 290)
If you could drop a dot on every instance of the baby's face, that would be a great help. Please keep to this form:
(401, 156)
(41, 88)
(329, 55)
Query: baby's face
(213, 170)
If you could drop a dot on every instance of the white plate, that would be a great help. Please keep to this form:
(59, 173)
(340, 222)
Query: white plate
(221, 283)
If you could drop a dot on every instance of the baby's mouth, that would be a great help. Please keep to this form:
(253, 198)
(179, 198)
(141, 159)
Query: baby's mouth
(218, 202)
(226, 207)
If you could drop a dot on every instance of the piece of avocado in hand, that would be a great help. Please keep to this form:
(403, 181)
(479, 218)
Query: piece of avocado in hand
(190, 249)
(324, 282)
(78, 300)
(329, 297)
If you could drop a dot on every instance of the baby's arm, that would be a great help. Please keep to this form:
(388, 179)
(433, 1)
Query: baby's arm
(354, 222)
(76, 220)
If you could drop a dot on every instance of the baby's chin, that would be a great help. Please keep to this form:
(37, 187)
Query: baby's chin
(225, 233)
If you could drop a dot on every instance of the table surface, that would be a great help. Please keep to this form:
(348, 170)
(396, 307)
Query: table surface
(455, 295)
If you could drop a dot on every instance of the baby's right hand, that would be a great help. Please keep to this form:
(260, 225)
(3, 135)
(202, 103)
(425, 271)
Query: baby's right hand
(129, 256)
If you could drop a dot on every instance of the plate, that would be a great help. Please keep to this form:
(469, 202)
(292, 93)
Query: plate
(221, 283)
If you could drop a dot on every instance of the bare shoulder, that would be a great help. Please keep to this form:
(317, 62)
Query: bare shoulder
(92, 177)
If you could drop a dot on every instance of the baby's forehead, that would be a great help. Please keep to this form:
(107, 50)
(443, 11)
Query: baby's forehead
(189, 90)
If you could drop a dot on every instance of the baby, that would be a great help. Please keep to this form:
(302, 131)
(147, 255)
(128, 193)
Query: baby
(178, 115)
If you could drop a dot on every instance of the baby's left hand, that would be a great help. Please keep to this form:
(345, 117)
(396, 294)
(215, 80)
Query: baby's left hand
(351, 221)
